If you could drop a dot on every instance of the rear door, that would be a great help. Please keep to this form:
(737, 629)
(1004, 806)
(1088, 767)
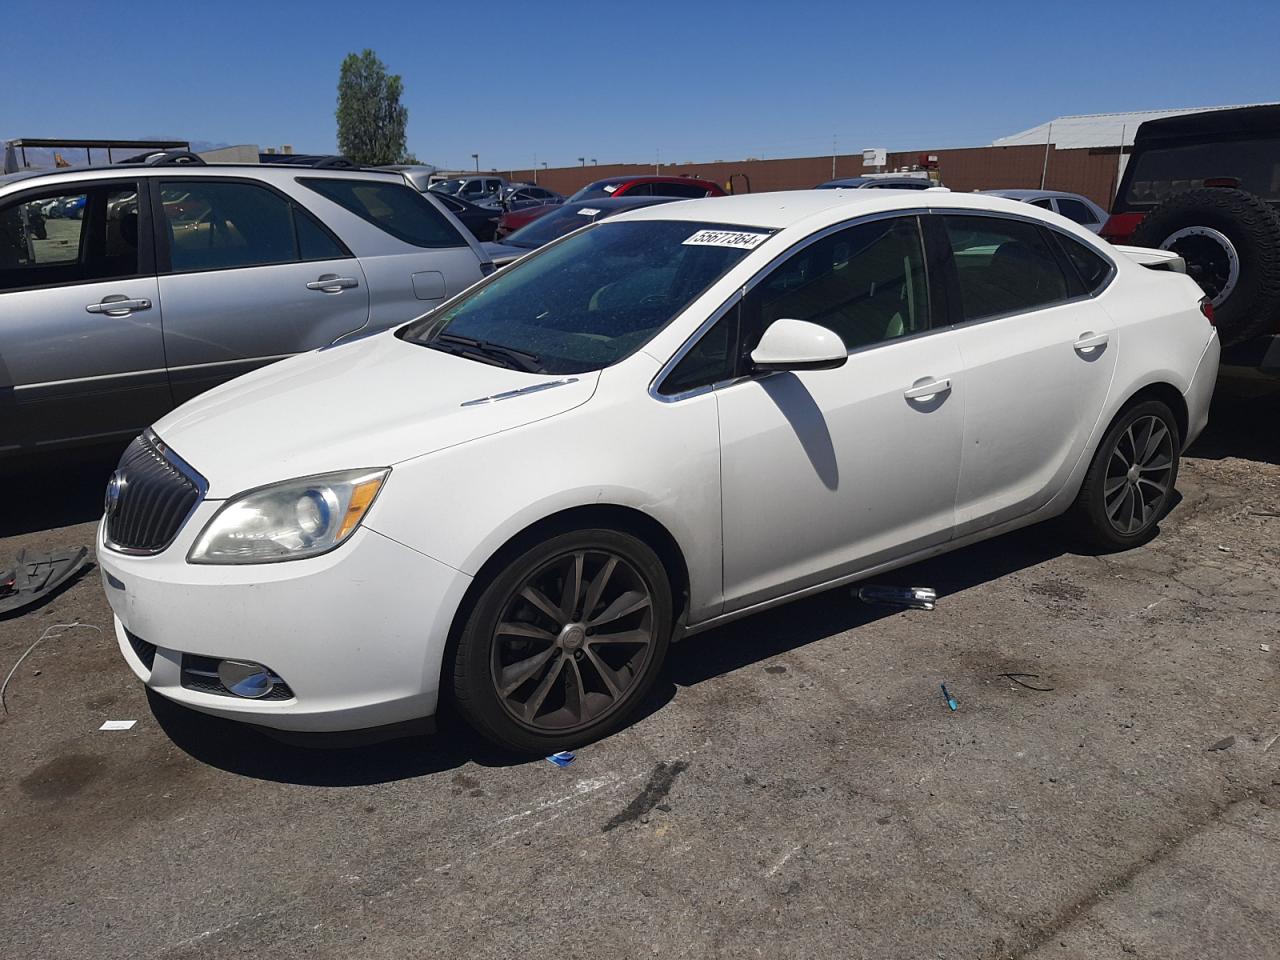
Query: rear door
(1038, 357)
(81, 350)
(412, 253)
(247, 276)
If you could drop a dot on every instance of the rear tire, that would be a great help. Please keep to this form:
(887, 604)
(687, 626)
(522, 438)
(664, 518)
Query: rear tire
(563, 642)
(1129, 486)
(1230, 241)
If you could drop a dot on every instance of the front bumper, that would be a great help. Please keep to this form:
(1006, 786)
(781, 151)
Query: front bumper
(357, 634)
(1200, 392)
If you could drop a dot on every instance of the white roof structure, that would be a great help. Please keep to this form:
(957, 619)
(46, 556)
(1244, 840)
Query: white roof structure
(1096, 129)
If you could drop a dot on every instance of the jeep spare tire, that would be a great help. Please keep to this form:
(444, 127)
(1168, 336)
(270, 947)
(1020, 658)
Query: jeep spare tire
(1230, 241)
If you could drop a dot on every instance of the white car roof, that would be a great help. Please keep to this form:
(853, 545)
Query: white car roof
(815, 208)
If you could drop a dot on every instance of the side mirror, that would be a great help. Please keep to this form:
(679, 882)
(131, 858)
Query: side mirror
(798, 345)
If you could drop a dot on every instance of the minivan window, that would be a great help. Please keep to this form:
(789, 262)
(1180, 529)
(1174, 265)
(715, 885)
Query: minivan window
(1004, 266)
(228, 224)
(393, 207)
(75, 235)
(590, 300)
(866, 282)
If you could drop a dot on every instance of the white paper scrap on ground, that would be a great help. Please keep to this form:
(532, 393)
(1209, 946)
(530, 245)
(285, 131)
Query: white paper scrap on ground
(117, 725)
(726, 238)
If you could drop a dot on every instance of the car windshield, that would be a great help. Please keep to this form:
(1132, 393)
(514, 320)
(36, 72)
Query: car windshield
(589, 301)
(552, 225)
(448, 186)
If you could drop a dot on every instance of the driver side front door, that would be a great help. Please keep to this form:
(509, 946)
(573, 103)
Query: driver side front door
(829, 472)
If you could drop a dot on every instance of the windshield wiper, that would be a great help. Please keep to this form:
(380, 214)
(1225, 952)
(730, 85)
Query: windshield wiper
(509, 356)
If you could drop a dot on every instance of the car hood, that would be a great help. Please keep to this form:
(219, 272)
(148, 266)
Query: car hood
(368, 403)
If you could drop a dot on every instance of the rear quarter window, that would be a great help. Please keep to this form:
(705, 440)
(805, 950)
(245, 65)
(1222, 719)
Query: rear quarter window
(392, 207)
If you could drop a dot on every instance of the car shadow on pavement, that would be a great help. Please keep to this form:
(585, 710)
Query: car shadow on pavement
(313, 760)
(68, 489)
(801, 622)
(1241, 426)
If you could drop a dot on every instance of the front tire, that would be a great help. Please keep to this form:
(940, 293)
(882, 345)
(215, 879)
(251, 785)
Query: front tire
(563, 642)
(1129, 485)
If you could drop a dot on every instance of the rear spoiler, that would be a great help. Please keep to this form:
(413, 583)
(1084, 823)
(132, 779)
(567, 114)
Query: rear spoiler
(1155, 259)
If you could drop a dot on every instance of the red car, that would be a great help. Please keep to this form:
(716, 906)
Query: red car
(690, 187)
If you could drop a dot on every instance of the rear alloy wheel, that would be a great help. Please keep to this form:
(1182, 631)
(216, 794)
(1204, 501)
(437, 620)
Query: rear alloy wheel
(1129, 485)
(564, 642)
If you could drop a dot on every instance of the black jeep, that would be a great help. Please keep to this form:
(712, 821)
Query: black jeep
(1207, 186)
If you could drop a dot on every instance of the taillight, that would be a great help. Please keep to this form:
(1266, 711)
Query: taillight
(1120, 226)
(1206, 307)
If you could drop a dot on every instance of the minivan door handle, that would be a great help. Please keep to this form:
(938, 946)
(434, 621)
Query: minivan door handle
(332, 283)
(922, 390)
(118, 305)
(1090, 341)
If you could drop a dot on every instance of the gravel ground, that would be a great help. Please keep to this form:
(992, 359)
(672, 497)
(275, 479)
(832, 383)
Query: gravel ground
(796, 787)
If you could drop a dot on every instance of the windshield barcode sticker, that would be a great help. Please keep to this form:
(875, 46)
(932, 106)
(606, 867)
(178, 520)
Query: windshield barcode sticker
(588, 212)
(726, 238)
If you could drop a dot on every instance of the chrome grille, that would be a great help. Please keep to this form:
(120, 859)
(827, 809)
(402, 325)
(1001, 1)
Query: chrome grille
(150, 496)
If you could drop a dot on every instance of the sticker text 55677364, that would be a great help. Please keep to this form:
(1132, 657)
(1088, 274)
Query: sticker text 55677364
(738, 239)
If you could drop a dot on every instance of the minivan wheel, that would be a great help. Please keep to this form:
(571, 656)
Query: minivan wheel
(563, 642)
(1129, 485)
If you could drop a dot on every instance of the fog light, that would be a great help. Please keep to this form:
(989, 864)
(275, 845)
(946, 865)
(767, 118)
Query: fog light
(245, 679)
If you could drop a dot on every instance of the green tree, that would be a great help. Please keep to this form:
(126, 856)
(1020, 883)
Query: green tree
(371, 119)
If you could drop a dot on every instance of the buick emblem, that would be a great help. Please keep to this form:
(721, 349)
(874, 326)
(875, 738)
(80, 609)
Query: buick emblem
(115, 487)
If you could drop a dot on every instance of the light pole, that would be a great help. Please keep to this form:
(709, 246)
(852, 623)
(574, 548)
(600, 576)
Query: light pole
(476, 158)
(583, 161)
(593, 161)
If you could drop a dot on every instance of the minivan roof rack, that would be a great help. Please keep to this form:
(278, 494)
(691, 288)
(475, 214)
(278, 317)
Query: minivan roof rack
(164, 158)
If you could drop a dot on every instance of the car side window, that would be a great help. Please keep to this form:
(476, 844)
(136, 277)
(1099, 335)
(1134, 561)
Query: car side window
(635, 190)
(866, 282)
(678, 190)
(1077, 211)
(392, 207)
(1091, 266)
(711, 360)
(76, 235)
(1003, 266)
(1044, 203)
(223, 224)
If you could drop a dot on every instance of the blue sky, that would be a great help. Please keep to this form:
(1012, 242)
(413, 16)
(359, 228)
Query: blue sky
(693, 81)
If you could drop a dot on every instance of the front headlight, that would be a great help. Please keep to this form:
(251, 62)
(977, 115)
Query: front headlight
(289, 520)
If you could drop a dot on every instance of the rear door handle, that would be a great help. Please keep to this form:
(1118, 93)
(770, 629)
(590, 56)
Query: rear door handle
(921, 390)
(118, 305)
(1090, 341)
(332, 283)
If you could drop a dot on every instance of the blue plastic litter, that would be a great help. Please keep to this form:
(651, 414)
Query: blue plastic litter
(563, 758)
(951, 701)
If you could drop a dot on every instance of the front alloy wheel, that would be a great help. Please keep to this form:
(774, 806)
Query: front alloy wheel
(563, 641)
(560, 664)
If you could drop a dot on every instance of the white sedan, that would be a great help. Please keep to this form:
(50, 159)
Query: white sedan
(657, 424)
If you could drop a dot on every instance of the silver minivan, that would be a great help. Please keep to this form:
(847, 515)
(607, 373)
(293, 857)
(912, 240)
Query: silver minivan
(126, 290)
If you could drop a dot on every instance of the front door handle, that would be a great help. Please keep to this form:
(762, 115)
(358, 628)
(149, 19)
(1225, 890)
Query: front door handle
(332, 283)
(924, 389)
(118, 305)
(1090, 341)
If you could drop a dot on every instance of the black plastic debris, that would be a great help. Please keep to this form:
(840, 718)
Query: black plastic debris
(918, 598)
(1021, 680)
(1224, 744)
(35, 576)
